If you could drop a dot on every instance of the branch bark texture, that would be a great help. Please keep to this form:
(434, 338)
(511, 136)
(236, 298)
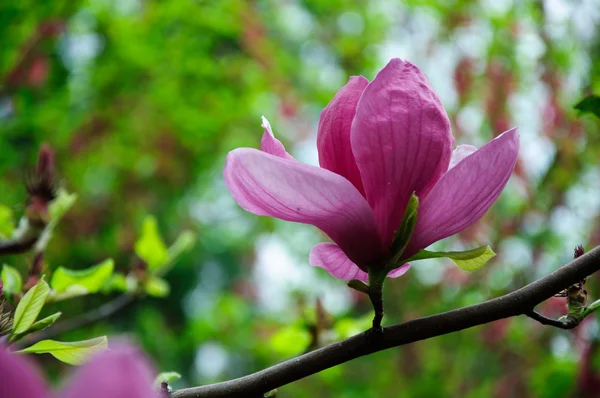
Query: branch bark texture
(519, 302)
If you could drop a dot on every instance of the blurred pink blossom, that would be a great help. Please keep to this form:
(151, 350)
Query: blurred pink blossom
(121, 372)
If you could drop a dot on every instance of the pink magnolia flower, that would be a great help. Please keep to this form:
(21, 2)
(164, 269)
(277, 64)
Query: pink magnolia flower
(122, 372)
(378, 143)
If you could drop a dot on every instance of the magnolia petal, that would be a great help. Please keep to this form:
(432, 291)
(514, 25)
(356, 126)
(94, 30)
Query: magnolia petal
(401, 140)
(332, 259)
(459, 153)
(270, 144)
(401, 270)
(121, 372)
(333, 138)
(267, 185)
(18, 378)
(465, 192)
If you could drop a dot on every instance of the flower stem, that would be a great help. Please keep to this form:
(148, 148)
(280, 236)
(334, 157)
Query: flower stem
(376, 295)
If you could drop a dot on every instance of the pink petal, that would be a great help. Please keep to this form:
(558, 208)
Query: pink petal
(270, 144)
(271, 186)
(459, 153)
(401, 270)
(332, 259)
(18, 378)
(401, 140)
(333, 138)
(121, 372)
(466, 192)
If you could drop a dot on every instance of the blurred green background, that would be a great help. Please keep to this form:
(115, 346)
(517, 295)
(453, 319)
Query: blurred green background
(142, 99)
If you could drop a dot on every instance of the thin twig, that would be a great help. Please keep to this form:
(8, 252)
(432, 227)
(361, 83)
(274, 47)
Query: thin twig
(549, 321)
(516, 303)
(104, 311)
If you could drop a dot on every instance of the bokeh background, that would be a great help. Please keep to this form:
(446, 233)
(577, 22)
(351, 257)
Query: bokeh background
(142, 100)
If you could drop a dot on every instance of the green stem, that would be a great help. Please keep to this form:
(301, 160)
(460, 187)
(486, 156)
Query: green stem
(376, 295)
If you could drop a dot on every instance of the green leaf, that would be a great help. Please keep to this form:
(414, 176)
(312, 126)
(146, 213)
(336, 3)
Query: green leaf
(117, 282)
(167, 377)
(157, 287)
(92, 279)
(6, 222)
(469, 260)
(37, 326)
(184, 243)
(63, 202)
(30, 306)
(150, 246)
(590, 104)
(359, 286)
(407, 226)
(13, 283)
(73, 353)
(44, 323)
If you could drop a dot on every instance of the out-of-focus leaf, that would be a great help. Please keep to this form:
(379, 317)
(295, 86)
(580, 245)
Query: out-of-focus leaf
(166, 377)
(184, 243)
(347, 327)
(590, 104)
(6, 222)
(92, 279)
(157, 287)
(30, 306)
(290, 340)
(117, 282)
(13, 283)
(63, 202)
(150, 247)
(73, 353)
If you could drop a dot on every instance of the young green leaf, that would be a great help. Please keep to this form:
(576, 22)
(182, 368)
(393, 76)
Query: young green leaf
(469, 260)
(13, 283)
(63, 202)
(44, 323)
(184, 243)
(150, 247)
(37, 326)
(407, 226)
(117, 282)
(157, 287)
(30, 306)
(6, 222)
(92, 279)
(73, 353)
(166, 377)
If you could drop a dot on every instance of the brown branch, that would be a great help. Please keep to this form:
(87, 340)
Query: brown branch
(17, 246)
(519, 302)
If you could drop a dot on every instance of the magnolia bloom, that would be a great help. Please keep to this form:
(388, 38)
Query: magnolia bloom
(122, 372)
(378, 143)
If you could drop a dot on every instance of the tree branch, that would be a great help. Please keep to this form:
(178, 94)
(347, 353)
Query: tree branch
(519, 302)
